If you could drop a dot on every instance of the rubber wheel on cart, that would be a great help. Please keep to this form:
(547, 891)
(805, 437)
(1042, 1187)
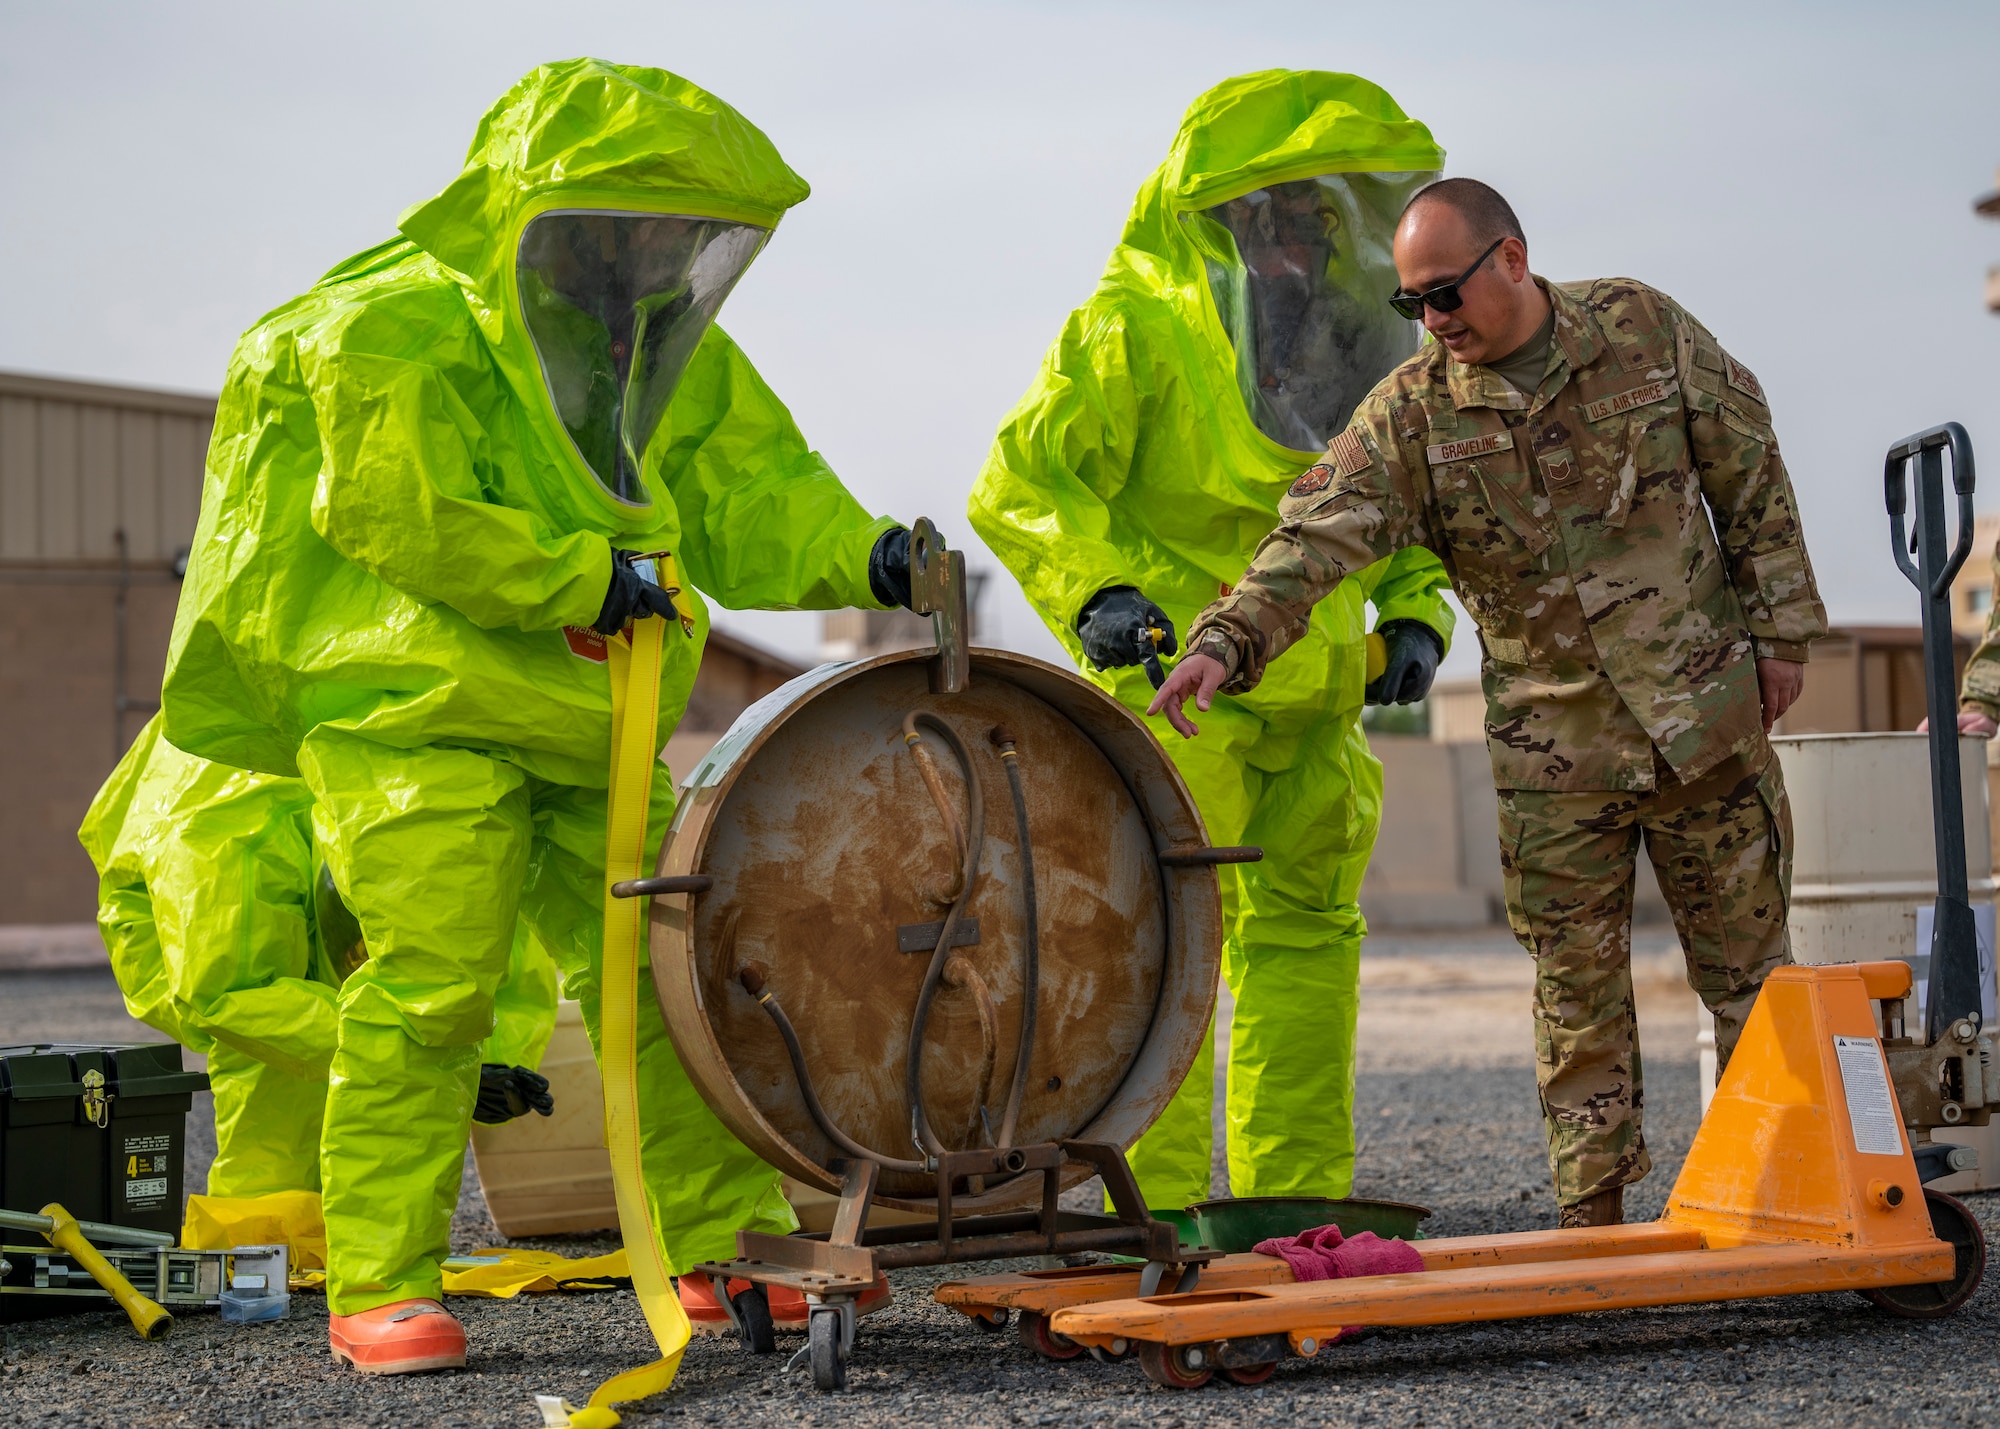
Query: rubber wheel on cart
(1037, 1336)
(1167, 1366)
(1953, 1224)
(993, 1321)
(829, 1367)
(1250, 1374)
(753, 1308)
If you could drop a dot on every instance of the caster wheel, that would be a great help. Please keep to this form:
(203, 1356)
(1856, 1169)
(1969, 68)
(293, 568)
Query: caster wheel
(829, 1362)
(1953, 1224)
(991, 1321)
(753, 1308)
(1175, 1366)
(1250, 1374)
(1037, 1336)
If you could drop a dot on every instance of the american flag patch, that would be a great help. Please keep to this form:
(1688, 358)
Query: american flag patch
(1349, 452)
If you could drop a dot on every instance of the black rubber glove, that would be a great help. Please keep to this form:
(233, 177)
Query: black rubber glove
(889, 567)
(1113, 628)
(1414, 652)
(507, 1092)
(631, 597)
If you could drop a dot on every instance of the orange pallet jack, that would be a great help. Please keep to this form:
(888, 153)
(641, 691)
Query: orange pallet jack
(1801, 1179)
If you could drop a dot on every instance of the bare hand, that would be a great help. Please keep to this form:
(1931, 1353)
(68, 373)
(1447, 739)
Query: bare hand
(1970, 722)
(1197, 675)
(1779, 683)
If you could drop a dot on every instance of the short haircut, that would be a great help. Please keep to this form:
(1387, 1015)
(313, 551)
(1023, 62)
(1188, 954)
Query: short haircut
(1489, 216)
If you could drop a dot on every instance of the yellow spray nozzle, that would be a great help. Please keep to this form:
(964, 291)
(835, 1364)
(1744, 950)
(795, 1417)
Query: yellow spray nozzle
(149, 1319)
(1156, 635)
(1378, 658)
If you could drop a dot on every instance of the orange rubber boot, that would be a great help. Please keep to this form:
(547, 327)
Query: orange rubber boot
(789, 1310)
(402, 1338)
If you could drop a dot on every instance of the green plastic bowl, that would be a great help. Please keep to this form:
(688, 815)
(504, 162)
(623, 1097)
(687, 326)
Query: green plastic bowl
(1236, 1225)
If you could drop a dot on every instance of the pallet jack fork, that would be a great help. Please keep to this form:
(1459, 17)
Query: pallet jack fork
(1800, 1181)
(1805, 1177)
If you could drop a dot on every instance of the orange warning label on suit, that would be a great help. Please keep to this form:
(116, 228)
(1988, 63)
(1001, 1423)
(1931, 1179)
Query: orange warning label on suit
(587, 644)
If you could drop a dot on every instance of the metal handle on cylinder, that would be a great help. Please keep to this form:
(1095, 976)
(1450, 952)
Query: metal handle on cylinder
(1208, 857)
(656, 887)
(937, 589)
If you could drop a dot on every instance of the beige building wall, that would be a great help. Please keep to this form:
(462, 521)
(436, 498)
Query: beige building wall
(99, 490)
(99, 487)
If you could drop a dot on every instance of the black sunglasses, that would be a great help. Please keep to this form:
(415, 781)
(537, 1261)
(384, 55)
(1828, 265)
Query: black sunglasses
(1445, 297)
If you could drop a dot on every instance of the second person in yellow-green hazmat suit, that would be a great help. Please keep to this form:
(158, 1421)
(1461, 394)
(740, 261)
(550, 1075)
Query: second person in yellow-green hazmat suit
(222, 937)
(439, 481)
(1239, 321)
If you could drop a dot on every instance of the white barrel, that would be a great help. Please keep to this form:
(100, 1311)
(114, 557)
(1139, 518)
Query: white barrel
(1863, 859)
(1864, 864)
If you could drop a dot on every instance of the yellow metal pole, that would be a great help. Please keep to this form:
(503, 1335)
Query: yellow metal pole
(149, 1319)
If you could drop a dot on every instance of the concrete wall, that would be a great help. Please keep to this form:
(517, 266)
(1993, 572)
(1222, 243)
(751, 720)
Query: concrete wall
(1437, 857)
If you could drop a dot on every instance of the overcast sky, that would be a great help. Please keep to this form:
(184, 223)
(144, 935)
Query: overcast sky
(1800, 176)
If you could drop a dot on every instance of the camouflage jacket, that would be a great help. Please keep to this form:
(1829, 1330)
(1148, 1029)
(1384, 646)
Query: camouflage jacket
(1981, 690)
(1626, 541)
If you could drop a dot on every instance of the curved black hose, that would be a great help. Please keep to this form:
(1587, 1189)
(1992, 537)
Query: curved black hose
(975, 836)
(1031, 964)
(753, 983)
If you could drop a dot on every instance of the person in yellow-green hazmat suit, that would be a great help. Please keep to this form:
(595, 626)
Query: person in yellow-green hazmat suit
(1238, 323)
(223, 936)
(439, 480)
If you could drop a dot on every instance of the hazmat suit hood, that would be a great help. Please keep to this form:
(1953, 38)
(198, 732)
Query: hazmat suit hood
(1283, 189)
(1242, 315)
(421, 465)
(603, 214)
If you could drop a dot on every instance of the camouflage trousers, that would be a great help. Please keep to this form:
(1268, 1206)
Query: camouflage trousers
(1722, 849)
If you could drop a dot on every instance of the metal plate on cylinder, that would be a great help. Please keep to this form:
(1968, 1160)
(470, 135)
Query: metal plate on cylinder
(834, 871)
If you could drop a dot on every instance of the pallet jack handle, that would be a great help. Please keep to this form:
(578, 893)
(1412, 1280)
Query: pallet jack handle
(1954, 992)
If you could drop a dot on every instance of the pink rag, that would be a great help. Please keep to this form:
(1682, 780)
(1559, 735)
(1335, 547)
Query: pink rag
(1323, 1253)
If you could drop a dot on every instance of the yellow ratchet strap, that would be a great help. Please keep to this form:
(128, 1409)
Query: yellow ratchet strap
(635, 710)
(670, 582)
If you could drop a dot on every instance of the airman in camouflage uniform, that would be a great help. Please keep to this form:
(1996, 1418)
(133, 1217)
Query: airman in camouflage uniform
(1979, 695)
(1626, 539)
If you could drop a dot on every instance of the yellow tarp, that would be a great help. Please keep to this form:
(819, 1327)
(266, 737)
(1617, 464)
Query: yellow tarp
(293, 1218)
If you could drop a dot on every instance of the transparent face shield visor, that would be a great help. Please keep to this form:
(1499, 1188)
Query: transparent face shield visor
(1300, 273)
(615, 304)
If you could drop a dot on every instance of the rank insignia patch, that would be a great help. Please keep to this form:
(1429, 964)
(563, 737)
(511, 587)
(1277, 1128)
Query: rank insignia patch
(1316, 478)
(1742, 378)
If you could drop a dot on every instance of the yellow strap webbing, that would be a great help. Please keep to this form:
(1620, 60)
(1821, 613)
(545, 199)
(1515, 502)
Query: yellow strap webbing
(635, 710)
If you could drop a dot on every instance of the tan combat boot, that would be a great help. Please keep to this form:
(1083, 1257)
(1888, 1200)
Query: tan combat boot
(1606, 1208)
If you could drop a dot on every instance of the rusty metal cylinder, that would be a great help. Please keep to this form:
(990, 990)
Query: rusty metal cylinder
(834, 870)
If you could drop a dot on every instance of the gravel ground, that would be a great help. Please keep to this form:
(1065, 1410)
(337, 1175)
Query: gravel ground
(1454, 1127)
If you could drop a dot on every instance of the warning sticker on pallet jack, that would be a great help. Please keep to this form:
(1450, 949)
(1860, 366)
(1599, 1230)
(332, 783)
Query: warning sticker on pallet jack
(1871, 1106)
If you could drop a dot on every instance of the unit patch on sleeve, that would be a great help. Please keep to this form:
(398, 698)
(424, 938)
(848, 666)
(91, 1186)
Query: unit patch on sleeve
(1471, 447)
(1742, 378)
(1625, 401)
(1313, 479)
